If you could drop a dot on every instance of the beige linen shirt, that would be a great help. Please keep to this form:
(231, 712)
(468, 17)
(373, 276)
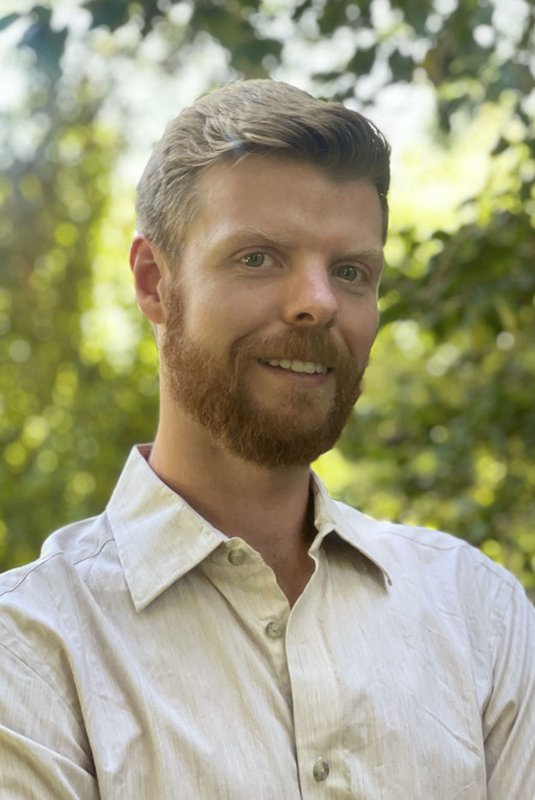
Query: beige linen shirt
(145, 655)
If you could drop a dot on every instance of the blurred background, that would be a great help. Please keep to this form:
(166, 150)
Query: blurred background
(445, 433)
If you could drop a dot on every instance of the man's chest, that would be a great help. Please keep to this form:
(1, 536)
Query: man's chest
(224, 693)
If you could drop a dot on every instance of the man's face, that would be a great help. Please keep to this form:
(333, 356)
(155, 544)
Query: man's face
(272, 311)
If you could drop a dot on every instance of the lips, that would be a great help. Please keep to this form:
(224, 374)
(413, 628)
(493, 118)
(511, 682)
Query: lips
(294, 365)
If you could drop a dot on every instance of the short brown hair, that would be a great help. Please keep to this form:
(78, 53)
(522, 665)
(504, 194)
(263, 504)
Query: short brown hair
(253, 116)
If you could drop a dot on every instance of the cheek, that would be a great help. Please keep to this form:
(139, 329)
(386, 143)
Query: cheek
(235, 314)
(362, 330)
(216, 325)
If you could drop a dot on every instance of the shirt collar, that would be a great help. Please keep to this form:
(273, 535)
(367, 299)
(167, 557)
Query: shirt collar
(160, 537)
(354, 527)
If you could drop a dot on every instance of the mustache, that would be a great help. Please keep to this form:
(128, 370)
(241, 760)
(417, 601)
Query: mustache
(299, 345)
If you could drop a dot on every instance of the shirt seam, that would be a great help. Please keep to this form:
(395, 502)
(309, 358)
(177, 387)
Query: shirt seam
(96, 553)
(41, 562)
(459, 543)
(456, 544)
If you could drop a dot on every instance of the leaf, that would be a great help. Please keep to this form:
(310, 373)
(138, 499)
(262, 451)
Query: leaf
(47, 44)
(402, 66)
(5, 22)
(501, 145)
(362, 61)
(108, 14)
(415, 13)
(300, 9)
(332, 17)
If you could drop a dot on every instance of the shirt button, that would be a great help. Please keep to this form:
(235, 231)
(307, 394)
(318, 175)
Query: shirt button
(236, 556)
(320, 769)
(274, 630)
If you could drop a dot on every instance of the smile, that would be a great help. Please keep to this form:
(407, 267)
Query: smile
(309, 367)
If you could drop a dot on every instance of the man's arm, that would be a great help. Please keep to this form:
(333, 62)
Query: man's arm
(509, 718)
(40, 753)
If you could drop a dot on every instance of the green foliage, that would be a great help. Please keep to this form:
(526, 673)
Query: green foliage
(445, 433)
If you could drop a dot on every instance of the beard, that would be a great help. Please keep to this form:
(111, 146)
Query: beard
(215, 394)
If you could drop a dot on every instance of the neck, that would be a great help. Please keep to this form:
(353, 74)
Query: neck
(268, 508)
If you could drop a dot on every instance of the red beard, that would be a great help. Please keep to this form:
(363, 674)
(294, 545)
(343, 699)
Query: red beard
(215, 393)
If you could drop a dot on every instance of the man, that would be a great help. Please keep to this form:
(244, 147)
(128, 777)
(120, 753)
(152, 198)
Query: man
(225, 629)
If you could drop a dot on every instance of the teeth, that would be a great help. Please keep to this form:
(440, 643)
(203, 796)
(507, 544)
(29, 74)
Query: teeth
(298, 366)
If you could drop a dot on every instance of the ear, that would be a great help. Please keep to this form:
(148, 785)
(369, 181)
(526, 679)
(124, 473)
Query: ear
(146, 266)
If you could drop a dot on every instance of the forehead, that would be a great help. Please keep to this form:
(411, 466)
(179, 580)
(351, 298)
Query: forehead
(281, 194)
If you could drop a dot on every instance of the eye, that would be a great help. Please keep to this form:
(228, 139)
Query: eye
(257, 259)
(349, 273)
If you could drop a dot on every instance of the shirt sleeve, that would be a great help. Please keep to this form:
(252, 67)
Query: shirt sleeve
(41, 757)
(509, 718)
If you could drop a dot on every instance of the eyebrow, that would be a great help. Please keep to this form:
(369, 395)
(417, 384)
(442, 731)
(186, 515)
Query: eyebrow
(252, 230)
(366, 253)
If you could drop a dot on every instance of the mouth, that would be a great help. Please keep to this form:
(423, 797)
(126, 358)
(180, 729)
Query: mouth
(294, 365)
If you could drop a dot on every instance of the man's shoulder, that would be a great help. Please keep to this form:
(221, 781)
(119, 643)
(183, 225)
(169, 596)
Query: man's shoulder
(428, 556)
(65, 558)
(44, 603)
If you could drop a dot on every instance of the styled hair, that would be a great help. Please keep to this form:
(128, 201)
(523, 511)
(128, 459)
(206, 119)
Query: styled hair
(253, 116)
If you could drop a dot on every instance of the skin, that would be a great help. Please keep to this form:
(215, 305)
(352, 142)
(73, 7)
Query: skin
(276, 246)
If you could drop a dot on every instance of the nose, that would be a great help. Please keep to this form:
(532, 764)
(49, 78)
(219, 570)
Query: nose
(309, 298)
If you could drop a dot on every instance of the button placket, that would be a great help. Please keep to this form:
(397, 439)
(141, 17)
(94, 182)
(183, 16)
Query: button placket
(316, 702)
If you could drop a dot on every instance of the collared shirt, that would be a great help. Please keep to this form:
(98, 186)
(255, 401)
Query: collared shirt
(148, 655)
